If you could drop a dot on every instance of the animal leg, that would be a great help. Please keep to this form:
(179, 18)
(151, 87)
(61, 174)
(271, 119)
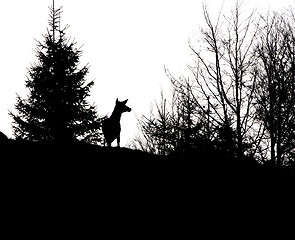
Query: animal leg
(118, 141)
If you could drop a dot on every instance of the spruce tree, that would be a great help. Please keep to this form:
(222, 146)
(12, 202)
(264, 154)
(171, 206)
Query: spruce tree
(56, 109)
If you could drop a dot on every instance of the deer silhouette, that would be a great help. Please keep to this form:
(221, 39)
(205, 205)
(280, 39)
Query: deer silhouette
(111, 126)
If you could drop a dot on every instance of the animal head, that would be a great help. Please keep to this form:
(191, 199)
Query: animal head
(121, 106)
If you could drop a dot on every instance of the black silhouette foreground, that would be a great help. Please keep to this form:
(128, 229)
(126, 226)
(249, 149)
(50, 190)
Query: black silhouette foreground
(95, 164)
(80, 181)
(3, 138)
(111, 126)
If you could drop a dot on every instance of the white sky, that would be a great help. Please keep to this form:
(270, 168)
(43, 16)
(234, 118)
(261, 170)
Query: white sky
(126, 42)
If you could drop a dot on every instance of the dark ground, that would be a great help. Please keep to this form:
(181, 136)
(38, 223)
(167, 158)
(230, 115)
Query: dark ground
(85, 162)
(124, 192)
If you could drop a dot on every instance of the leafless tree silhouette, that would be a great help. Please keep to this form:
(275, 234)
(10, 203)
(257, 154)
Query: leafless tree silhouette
(275, 89)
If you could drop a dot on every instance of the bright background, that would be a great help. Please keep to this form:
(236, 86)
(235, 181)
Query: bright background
(126, 43)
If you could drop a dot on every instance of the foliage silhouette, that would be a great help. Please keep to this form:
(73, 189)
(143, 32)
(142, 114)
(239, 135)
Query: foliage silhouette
(56, 109)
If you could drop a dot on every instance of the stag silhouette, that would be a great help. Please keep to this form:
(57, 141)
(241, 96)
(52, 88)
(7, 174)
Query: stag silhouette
(111, 126)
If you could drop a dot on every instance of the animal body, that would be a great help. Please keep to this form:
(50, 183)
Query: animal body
(111, 126)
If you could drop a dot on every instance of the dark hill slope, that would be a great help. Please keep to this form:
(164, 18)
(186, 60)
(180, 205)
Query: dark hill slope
(24, 158)
(84, 182)
(30, 155)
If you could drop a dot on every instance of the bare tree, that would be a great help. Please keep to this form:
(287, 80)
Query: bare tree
(222, 71)
(189, 120)
(241, 97)
(174, 127)
(275, 91)
(157, 130)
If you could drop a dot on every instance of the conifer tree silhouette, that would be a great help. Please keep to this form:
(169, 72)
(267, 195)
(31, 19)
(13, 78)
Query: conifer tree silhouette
(56, 109)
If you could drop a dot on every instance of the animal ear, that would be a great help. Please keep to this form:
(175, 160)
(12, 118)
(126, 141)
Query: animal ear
(125, 101)
(117, 100)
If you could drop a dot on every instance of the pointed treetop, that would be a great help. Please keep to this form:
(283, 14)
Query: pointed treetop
(54, 21)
